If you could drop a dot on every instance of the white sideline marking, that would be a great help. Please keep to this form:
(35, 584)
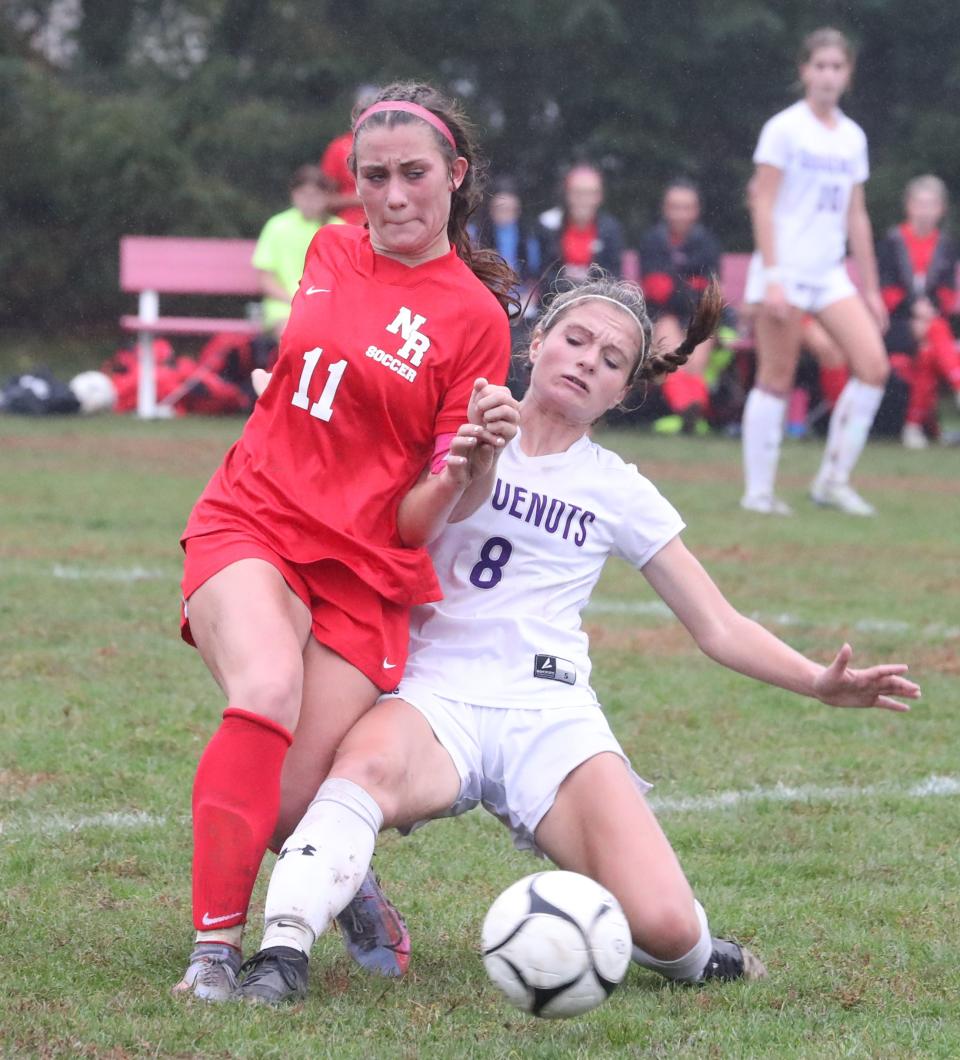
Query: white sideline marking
(60, 823)
(597, 606)
(108, 574)
(602, 606)
(933, 786)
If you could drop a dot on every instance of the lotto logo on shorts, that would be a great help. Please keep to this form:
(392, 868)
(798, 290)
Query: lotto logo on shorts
(550, 668)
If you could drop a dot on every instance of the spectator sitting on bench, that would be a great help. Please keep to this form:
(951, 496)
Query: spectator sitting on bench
(678, 256)
(283, 243)
(578, 233)
(918, 265)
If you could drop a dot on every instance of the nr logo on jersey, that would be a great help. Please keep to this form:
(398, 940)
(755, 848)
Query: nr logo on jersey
(407, 325)
(553, 668)
(406, 360)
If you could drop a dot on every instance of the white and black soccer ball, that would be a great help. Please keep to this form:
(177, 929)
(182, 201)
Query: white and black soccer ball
(556, 943)
(94, 391)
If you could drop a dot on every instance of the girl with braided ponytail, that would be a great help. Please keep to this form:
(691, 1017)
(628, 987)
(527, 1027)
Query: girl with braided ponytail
(495, 706)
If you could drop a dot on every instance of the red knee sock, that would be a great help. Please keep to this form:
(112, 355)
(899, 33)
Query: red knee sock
(236, 799)
(832, 382)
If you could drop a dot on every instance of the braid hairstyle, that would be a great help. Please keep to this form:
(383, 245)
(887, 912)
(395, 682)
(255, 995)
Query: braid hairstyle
(652, 362)
(705, 321)
(487, 265)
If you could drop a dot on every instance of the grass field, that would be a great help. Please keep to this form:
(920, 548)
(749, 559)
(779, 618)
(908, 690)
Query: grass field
(826, 839)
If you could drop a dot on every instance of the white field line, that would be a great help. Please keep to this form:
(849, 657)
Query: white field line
(934, 786)
(110, 574)
(61, 823)
(597, 606)
(930, 787)
(658, 609)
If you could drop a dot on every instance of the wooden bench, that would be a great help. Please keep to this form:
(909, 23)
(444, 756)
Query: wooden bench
(155, 265)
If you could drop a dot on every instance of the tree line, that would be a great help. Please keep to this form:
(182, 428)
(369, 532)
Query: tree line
(187, 116)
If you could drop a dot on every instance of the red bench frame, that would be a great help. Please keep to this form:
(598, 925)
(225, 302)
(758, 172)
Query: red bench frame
(155, 265)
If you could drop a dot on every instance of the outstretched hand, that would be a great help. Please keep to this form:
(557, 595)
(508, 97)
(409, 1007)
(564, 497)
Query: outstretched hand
(839, 686)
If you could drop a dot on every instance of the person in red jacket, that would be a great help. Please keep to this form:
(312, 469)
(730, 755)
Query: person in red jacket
(918, 270)
(306, 550)
(335, 164)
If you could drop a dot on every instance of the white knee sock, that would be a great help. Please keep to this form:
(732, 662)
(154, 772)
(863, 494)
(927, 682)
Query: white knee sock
(850, 424)
(321, 865)
(690, 966)
(762, 433)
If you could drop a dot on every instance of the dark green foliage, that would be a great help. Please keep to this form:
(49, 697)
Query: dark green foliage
(187, 116)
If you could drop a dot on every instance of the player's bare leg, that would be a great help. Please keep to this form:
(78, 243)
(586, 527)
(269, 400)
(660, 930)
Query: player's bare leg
(250, 630)
(389, 771)
(601, 826)
(335, 696)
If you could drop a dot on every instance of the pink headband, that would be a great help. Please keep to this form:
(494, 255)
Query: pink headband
(408, 108)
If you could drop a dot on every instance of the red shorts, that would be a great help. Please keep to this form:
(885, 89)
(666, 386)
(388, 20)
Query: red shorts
(348, 616)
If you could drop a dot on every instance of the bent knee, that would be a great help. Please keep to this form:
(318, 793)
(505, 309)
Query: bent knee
(382, 776)
(669, 931)
(875, 374)
(275, 694)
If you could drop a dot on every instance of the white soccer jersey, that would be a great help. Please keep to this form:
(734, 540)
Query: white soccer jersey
(820, 167)
(517, 573)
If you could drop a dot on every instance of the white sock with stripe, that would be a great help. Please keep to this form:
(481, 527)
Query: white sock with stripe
(321, 865)
(850, 424)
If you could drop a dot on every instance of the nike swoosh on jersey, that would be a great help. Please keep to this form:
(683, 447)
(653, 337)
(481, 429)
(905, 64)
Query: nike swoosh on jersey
(208, 921)
(318, 290)
(388, 665)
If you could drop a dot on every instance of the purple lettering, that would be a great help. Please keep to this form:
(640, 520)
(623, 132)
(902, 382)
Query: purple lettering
(574, 508)
(538, 505)
(555, 506)
(581, 535)
(495, 500)
(519, 495)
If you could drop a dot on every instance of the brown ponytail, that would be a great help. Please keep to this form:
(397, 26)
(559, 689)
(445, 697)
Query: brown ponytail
(705, 321)
(492, 271)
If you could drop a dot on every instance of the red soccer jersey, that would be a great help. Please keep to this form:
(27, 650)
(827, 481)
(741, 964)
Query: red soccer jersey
(334, 165)
(377, 359)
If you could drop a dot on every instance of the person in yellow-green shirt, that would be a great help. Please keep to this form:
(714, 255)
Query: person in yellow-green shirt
(283, 243)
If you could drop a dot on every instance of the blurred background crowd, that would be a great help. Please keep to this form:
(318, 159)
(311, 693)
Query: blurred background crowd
(616, 136)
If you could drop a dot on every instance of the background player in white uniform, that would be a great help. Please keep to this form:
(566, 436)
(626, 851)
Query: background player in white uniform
(496, 707)
(806, 200)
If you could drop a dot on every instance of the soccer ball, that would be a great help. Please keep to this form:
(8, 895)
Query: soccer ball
(95, 392)
(556, 943)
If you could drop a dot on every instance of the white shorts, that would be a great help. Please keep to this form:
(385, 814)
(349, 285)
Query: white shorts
(809, 295)
(512, 761)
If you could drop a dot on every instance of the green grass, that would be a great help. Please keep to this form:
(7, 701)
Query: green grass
(852, 899)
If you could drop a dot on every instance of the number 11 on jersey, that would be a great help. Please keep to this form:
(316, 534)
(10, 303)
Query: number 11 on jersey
(322, 408)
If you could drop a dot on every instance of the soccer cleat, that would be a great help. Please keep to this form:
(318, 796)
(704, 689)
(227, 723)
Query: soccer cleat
(273, 977)
(768, 505)
(841, 496)
(374, 932)
(211, 974)
(729, 960)
(913, 437)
